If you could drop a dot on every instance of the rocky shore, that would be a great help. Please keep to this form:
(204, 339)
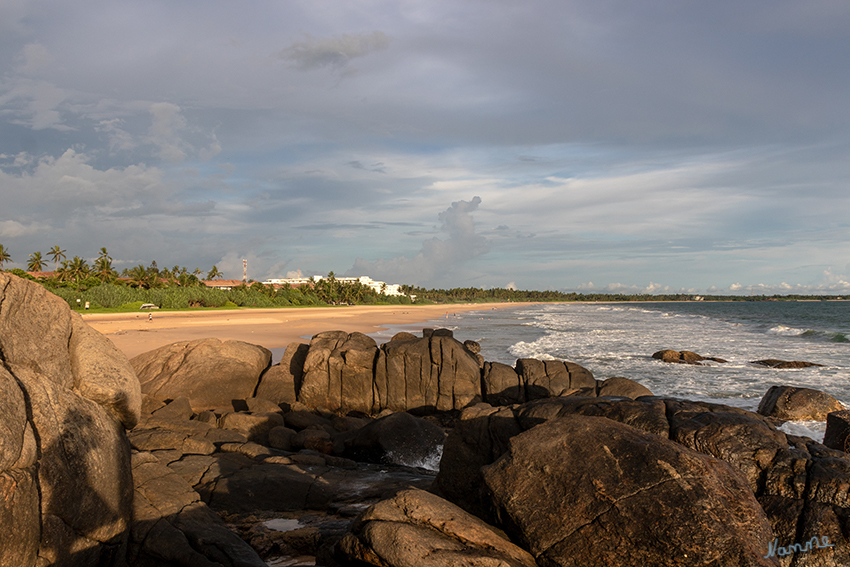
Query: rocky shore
(202, 453)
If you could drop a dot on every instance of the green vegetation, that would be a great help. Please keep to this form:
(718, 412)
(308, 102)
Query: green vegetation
(104, 289)
(478, 295)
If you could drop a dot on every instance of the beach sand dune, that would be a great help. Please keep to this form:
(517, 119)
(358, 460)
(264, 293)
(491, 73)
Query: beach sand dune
(135, 333)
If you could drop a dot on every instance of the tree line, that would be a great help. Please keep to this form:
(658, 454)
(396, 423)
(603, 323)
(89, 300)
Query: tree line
(101, 286)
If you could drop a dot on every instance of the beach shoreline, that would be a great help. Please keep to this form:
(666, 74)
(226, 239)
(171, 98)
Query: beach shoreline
(136, 333)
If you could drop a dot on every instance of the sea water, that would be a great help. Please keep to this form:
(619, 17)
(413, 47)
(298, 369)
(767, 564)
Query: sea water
(618, 339)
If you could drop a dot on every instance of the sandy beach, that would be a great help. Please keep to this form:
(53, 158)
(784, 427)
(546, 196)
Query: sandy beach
(135, 333)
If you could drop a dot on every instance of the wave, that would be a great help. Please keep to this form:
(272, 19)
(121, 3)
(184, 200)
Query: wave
(786, 331)
(430, 462)
(831, 336)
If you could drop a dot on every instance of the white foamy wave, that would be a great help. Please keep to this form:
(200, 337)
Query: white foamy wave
(430, 462)
(812, 429)
(785, 331)
(531, 350)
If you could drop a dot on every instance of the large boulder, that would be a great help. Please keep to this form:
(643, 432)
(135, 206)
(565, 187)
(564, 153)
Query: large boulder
(552, 378)
(66, 396)
(434, 373)
(210, 372)
(281, 383)
(172, 527)
(338, 372)
(434, 532)
(791, 403)
(502, 385)
(800, 484)
(582, 490)
(837, 435)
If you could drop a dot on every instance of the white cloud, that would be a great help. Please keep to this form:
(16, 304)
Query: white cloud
(165, 130)
(37, 103)
(14, 229)
(438, 258)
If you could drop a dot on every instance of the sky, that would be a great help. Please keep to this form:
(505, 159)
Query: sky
(578, 145)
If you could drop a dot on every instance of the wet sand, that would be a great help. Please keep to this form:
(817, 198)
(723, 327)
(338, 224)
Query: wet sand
(134, 333)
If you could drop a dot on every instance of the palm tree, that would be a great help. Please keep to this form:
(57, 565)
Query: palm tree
(57, 254)
(4, 256)
(214, 274)
(35, 263)
(78, 269)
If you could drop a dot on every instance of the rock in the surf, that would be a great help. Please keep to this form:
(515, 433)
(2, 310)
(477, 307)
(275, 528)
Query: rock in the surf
(791, 403)
(684, 357)
(776, 363)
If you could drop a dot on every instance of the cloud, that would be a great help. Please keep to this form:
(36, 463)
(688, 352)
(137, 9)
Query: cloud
(335, 52)
(33, 57)
(165, 130)
(37, 103)
(438, 259)
(119, 139)
(14, 229)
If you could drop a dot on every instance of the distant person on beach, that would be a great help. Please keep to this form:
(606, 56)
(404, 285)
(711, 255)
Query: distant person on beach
(150, 316)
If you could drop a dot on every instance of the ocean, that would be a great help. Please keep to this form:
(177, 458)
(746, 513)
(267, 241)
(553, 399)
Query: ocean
(618, 339)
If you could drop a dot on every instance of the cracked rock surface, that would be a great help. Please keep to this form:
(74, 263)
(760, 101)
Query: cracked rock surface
(67, 396)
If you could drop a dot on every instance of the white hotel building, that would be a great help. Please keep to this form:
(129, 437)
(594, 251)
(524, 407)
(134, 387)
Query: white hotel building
(390, 289)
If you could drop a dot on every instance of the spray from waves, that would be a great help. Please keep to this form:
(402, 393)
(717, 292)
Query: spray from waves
(429, 462)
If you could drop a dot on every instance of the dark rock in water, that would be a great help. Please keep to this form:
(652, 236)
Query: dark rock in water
(66, 396)
(399, 438)
(684, 357)
(282, 382)
(837, 434)
(790, 403)
(472, 346)
(617, 496)
(436, 533)
(210, 372)
(621, 387)
(774, 363)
